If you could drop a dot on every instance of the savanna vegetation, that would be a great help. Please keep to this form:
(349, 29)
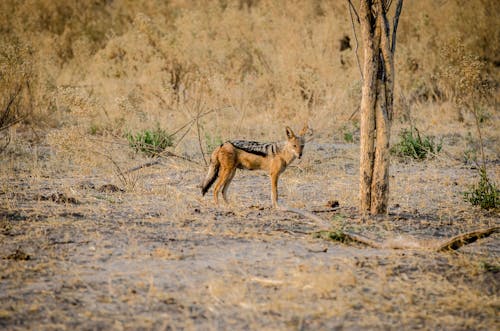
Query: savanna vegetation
(109, 110)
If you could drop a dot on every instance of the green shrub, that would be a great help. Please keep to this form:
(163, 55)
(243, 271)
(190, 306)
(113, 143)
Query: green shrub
(150, 142)
(484, 193)
(414, 146)
(348, 137)
(350, 132)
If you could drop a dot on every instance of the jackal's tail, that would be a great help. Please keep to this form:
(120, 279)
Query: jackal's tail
(212, 174)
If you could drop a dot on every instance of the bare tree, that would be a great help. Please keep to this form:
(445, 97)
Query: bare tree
(379, 45)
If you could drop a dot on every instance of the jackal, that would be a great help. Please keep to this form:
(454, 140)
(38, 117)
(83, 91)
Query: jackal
(252, 155)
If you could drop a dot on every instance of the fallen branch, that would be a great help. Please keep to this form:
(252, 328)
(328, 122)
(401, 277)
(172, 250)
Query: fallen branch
(400, 242)
(403, 242)
(460, 240)
(327, 210)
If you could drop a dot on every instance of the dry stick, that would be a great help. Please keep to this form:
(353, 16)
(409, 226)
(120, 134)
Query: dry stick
(6, 111)
(158, 161)
(481, 142)
(192, 121)
(185, 133)
(199, 138)
(14, 122)
(329, 210)
(353, 113)
(13, 97)
(119, 171)
(144, 165)
(351, 9)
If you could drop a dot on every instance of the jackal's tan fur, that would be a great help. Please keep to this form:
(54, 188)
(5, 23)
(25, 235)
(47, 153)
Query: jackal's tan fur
(227, 158)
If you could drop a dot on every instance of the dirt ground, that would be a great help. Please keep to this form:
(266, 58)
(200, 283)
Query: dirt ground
(76, 253)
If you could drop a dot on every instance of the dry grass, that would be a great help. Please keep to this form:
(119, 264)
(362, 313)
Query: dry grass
(157, 255)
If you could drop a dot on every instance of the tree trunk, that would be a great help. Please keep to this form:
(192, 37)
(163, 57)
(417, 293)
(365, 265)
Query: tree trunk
(371, 38)
(376, 104)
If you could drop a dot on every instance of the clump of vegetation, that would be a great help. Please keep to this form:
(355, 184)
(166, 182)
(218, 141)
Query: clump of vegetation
(335, 235)
(351, 132)
(150, 142)
(484, 194)
(412, 145)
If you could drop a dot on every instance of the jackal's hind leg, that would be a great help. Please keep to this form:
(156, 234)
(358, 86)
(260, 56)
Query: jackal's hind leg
(224, 174)
(226, 184)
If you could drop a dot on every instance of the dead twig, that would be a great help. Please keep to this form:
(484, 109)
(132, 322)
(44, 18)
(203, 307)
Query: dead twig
(158, 161)
(4, 119)
(351, 9)
(355, 110)
(327, 210)
(144, 165)
(199, 138)
(121, 175)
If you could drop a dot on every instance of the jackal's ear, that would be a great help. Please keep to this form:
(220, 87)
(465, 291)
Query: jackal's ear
(289, 133)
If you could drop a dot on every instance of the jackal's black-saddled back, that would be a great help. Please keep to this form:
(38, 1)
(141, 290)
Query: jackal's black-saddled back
(255, 147)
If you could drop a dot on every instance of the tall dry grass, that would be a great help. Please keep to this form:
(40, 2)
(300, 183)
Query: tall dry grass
(105, 68)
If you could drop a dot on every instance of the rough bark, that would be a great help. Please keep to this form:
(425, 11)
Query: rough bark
(370, 36)
(380, 180)
(383, 116)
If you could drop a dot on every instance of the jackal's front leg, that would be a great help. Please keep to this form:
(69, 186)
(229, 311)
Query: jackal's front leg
(274, 189)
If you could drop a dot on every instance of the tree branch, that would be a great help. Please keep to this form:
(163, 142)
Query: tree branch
(351, 9)
(395, 25)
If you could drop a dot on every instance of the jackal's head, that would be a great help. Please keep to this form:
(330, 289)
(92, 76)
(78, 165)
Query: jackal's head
(296, 143)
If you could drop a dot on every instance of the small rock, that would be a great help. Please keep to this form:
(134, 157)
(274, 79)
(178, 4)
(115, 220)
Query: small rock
(332, 204)
(58, 197)
(86, 185)
(109, 188)
(18, 255)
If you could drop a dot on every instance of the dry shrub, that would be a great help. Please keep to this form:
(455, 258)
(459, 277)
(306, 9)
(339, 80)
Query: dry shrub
(120, 66)
(464, 75)
(16, 79)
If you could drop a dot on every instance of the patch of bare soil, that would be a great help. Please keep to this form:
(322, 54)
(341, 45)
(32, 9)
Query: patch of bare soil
(159, 256)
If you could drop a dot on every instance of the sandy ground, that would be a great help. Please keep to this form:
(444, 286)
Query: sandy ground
(158, 256)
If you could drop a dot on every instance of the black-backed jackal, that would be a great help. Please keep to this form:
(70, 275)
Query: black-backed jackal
(252, 155)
